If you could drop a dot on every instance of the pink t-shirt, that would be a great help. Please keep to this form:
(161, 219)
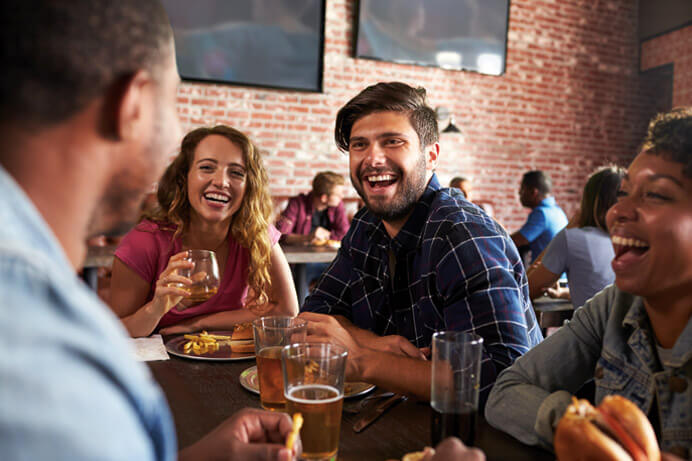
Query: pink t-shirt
(146, 250)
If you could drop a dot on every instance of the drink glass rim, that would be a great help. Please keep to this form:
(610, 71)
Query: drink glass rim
(337, 353)
(448, 336)
(295, 322)
(199, 252)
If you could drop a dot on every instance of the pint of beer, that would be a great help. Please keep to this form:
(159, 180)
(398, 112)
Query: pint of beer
(271, 334)
(314, 387)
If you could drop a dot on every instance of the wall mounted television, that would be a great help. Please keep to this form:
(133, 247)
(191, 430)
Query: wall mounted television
(452, 34)
(267, 43)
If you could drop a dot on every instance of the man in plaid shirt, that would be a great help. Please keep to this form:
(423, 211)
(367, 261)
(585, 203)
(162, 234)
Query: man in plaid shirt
(418, 258)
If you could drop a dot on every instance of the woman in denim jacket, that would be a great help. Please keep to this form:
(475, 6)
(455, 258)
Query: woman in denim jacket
(634, 338)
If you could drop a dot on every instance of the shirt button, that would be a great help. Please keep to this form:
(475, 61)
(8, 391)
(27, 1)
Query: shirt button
(680, 451)
(677, 384)
(598, 374)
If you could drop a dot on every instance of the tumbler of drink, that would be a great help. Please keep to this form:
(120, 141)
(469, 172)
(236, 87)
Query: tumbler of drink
(314, 387)
(204, 275)
(456, 370)
(272, 333)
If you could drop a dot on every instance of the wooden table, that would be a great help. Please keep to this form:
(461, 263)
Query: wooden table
(552, 312)
(299, 256)
(203, 394)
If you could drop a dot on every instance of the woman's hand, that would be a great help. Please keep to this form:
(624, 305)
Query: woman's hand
(168, 291)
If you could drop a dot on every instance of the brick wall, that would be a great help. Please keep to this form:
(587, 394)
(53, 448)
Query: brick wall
(567, 103)
(672, 48)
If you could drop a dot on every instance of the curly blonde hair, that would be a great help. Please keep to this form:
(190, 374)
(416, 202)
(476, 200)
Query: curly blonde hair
(249, 225)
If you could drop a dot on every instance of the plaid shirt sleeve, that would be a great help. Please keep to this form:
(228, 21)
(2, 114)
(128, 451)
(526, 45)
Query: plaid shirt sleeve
(482, 281)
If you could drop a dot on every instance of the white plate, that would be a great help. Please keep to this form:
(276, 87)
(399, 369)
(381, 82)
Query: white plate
(248, 379)
(224, 354)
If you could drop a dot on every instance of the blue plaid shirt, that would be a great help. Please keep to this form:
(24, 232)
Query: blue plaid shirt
(456, 269)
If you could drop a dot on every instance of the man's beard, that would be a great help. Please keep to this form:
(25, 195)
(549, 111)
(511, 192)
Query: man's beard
(410, 189)
(122, 200)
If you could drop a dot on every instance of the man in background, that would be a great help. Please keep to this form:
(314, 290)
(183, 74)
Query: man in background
(88, 119)
(546, 218)
(318, 215)
(314, 218)
(463, 184)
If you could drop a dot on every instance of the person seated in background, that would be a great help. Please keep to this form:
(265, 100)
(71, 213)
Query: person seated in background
(418, 257)
(546, 218)
(87, 131)
(463, 184)
(634, 338)
(583, 250)
(213, 196)
(317, 218)
(318, 215)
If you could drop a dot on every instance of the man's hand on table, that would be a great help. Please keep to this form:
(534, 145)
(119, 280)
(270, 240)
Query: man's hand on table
(325, 328)
(248, 435)
(397, 345)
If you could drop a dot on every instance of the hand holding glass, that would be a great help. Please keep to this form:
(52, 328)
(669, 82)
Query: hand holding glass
(204, 275)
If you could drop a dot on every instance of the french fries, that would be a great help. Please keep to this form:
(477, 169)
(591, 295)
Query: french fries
(295, 430)
(203, 343)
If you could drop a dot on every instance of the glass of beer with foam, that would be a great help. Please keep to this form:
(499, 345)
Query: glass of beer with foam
(272, 333)
(314, 387)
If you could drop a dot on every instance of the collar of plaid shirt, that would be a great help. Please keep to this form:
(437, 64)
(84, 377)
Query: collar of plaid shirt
(411, 234)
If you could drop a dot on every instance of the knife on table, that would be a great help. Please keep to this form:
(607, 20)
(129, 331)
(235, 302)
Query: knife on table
(375, 412)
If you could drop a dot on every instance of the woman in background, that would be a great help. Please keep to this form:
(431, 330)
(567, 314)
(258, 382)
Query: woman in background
(583, 249)
(213, 196)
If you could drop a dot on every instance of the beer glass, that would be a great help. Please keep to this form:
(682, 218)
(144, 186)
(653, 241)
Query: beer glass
(204, 275)
(271, 334)
(314, 387)
(456, 370)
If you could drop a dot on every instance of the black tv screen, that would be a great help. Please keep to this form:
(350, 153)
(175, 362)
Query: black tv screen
(453, 34)
(271, 43)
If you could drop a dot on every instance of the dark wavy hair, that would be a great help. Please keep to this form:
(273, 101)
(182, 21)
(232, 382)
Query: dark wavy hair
(388, 97)
(249, 225)
(600, 193)
(670, 135)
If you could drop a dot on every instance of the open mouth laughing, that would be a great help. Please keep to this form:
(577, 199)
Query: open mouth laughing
(379, 182)
(628, 250)
(217, 199)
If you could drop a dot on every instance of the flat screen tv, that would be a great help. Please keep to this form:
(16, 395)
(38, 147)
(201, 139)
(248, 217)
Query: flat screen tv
(453, 34)
(269, 43)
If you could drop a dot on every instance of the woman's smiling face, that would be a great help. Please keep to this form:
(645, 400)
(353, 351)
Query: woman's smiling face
(651, 228)
(217, 179)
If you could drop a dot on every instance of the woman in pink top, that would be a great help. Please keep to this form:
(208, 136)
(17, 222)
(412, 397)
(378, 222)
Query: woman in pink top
(213, 196)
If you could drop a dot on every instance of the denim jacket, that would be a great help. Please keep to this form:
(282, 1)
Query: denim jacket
(610, 340)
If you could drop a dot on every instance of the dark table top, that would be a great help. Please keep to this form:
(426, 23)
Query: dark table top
(202, 394)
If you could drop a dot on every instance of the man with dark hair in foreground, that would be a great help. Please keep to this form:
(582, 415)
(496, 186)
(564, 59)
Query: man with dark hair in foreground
(87, 118)
(417, 258)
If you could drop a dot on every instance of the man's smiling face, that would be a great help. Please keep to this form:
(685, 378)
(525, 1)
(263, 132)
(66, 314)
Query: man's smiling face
(389, 167)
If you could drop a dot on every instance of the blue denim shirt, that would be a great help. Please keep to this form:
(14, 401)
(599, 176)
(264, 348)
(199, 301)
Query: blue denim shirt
(69, 386)
(609, 339)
